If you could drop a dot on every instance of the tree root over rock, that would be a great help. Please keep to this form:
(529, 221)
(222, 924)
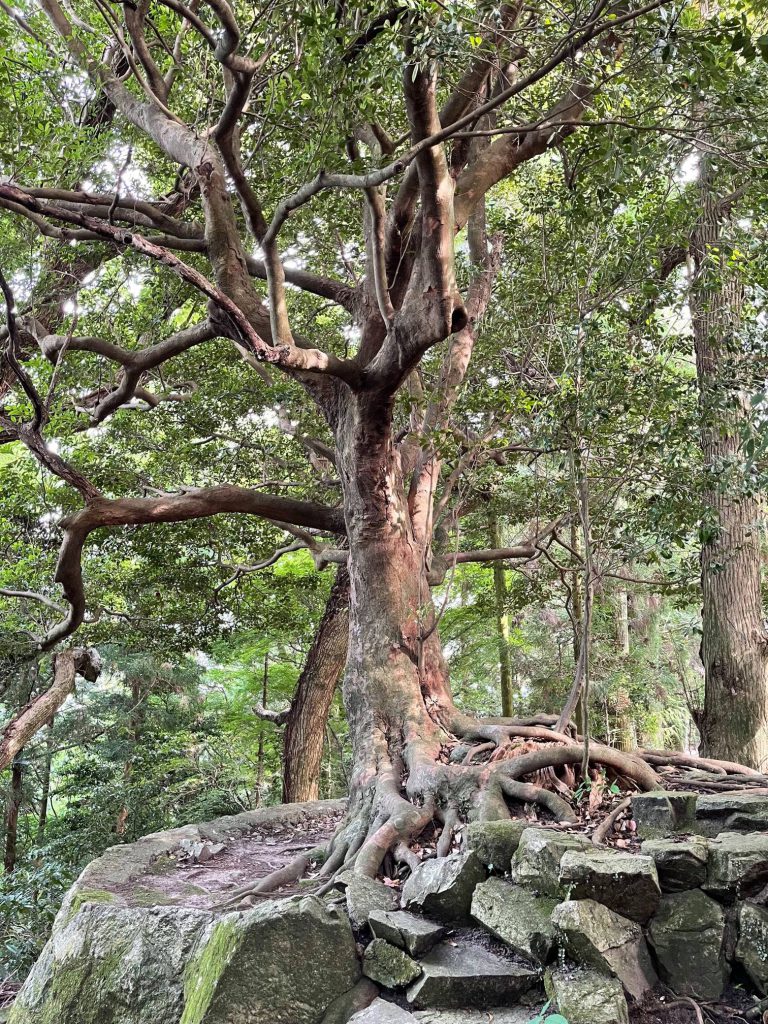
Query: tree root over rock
(413, 787)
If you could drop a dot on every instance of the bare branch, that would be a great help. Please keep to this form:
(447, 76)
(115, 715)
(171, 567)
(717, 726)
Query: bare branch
(29, 595)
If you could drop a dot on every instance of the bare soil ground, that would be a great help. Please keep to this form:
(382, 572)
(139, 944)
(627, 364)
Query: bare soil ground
(203, 885)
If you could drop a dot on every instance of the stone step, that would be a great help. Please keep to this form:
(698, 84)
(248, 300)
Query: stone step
(469, 975)
(383, 1012)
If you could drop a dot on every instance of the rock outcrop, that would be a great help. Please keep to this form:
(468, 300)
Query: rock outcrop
(443, 888)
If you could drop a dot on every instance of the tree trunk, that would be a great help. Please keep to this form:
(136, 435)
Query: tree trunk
(734, 650)
(45, 792)
(305, 724)
(260, 754)
(508, 689)
(12, 816)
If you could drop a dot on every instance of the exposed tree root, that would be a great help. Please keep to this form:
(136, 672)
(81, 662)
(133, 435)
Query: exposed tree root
(665, 757)
(605, 827)
(410, 788)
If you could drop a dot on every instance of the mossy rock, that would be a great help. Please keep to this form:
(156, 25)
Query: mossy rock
(112, 965)
(284, 962)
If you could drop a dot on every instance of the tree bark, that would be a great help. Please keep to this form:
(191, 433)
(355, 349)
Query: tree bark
(508, 688)
(45, 791)
(12, 816)
(305, 724)
(34, 716)
(734, 646)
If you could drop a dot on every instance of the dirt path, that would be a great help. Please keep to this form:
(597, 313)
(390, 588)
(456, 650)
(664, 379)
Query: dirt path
(203, 885)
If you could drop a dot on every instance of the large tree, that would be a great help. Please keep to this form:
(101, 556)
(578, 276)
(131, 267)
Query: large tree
(291, 148)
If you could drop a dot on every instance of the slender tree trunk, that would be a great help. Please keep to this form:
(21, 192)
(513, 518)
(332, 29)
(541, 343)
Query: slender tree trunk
(734, 647)
(306, 721)
(626, 734)
(136, 729)
(260, 754)
(622, 623)
(12, 816)
(45, 792)
(508, 689)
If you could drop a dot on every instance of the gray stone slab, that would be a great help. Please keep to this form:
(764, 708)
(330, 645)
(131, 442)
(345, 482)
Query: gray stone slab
(597, 938)
(443, 888)
(626, 883)
(516, 916)
(731, 812)
(680, 863)
(687, 938)
(660, 815)
(468, 976)
(536, 863)
(415, 934)
(737, 867)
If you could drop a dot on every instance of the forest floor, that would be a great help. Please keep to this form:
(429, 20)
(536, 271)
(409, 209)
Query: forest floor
(732, 1007)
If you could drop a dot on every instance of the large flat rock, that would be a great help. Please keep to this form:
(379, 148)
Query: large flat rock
(659, 815)
(468, 976)
(443, 887)
(680, 863)
(731, 812)
(283, 962)
(624, 882)
(113, 965)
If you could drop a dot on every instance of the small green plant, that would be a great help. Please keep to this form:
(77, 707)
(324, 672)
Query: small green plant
(548, 1018)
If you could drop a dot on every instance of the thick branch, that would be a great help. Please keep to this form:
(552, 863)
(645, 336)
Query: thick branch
(172, 508)
(39, 712)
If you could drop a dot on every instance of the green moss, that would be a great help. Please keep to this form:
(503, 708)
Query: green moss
(203, 973)
(75, 993)
(141, 897)
(83, 896)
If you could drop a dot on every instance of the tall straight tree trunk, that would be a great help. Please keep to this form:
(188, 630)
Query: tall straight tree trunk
(307, 718)
(12, 816)
(734, 646)
(508, 688)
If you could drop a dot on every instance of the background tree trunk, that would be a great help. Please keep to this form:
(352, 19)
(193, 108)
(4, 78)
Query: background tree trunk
(45, 790)
(305, 723)
(507, 679)
(12, 816)
(734, 650)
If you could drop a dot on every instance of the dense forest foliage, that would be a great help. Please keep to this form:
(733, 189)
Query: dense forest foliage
(593, 481)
